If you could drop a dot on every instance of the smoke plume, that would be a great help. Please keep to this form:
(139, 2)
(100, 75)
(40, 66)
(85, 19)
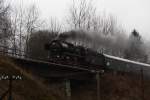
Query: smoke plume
(110, 44)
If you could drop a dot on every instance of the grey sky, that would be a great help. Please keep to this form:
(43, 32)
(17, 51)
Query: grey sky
(130, 13)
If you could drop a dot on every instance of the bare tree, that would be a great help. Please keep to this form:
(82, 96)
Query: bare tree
(18, 29)
(14, 20)
(32, 22)
(54, 26)
(19, 24)
(5, 24)
(81, 13)
(25, 20)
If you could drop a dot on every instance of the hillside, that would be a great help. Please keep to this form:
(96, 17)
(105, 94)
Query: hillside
(26, 89)
(113, 86)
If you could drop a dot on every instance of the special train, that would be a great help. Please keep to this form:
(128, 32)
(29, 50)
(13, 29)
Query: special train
(66, 53)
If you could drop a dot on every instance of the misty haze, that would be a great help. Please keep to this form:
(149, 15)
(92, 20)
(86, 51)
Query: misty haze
(74, 50)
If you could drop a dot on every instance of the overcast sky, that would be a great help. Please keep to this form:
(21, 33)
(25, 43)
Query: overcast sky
(130, 13)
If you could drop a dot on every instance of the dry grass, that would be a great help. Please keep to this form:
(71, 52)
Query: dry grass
(26, 89)
(113, 86)
(116, 86)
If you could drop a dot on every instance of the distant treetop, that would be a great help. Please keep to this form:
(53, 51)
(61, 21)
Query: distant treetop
(135, 33)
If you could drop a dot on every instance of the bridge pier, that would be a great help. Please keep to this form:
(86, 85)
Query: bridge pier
(98, 84)
(68, 89)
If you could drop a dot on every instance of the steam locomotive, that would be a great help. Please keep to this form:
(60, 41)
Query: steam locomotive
(66, 53)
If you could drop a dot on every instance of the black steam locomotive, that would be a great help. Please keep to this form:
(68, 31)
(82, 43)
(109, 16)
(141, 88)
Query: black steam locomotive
(66, 53)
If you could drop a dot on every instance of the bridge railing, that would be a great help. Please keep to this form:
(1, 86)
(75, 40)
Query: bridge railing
(4, 50)
(13, 52)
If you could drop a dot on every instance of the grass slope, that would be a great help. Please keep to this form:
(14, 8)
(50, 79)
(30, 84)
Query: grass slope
(26, 89)
(113, 86)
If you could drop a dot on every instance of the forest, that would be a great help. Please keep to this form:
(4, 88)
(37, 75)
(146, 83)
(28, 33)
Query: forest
(24, 31)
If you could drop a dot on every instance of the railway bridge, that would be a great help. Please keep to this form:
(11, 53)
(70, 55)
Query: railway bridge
(67, 73)
(51, 71)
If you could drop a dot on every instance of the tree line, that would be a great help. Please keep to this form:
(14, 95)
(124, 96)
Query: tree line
(22, 28)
